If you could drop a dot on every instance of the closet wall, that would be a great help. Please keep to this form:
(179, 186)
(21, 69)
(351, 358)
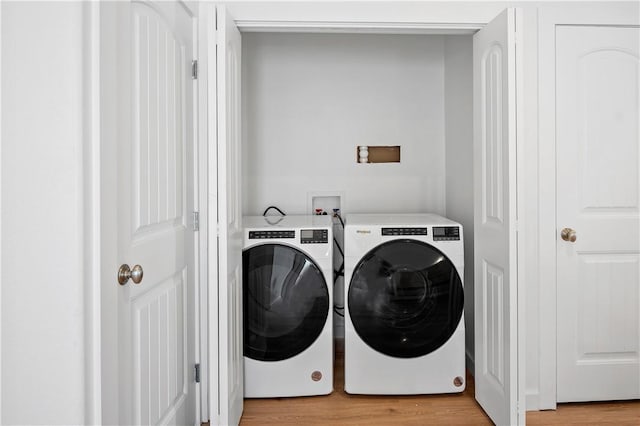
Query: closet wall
(310, 99)
(458, 108)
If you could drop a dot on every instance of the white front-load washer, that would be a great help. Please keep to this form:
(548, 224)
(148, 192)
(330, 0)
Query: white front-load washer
(287, 265)
(404, 325)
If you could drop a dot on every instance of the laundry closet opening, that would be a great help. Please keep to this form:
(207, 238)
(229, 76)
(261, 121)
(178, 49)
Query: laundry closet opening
(309, 100)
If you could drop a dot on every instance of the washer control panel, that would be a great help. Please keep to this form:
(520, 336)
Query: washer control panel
(404, 231)
(271, 235)
(446, 233)
(314, 236)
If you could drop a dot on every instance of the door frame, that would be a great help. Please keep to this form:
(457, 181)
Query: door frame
(89, 371)
(206, 138)
(383, 18)
(99, 247)
(598, 14)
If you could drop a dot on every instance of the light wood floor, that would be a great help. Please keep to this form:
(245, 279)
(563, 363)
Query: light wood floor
(340, 408)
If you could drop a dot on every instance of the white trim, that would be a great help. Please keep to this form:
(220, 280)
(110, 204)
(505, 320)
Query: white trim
(356, 27)
(368, 12)
(528, 262)
(533, 400)
(546, 215)
(192, 9)
(203, 140)
(209, 16)
(92, 212)
(521, 141)
(108, 46)
(600, 14)
(1, 212)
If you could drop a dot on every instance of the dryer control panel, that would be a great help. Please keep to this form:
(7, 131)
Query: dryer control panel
(446, 233)
(314, 236)
(404, 231)
(271, 235)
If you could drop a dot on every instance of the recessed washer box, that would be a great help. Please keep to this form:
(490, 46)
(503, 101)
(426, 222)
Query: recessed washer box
(325, 200)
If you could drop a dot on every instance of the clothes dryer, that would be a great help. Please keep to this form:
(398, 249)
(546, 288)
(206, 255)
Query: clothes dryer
(404, 322)
(287, 265)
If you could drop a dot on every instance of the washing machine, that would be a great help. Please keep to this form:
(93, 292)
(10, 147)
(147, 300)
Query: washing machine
(287, 265)
(404, 301)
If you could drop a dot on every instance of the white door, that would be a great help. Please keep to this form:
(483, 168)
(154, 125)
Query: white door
(496, 296)
(230, 331)
(150, 101)
(598, 197)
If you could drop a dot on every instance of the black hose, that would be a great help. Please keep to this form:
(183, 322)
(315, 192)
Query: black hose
(339, 248)
(273, 207)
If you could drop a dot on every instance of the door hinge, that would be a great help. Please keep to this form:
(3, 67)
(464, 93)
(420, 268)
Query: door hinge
(197, 373)
(194, 69)
(196, 221)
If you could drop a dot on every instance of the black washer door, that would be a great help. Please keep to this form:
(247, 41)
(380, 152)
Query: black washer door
(405, 298)
(286, 302)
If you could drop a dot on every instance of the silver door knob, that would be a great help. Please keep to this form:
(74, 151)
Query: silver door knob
(135, 273)
(568, 234)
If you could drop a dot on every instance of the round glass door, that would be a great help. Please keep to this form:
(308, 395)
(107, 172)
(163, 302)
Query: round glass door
(285, 300)
(405, 298)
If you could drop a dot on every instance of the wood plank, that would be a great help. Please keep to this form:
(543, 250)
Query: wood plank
(584, 413)
(340, 408)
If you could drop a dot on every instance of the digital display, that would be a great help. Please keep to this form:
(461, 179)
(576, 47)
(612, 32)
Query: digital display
(314, 236)
(446, 233)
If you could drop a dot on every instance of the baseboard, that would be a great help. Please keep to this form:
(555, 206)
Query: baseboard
(532, 399)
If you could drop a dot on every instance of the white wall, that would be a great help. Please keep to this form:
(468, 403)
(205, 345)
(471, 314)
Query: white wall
(310, 99)
(42, 185)
(458, 107)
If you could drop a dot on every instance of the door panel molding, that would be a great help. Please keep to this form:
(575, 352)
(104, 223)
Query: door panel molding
(493, 177)
(493, 296)
(166, 305)
(158, 136)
